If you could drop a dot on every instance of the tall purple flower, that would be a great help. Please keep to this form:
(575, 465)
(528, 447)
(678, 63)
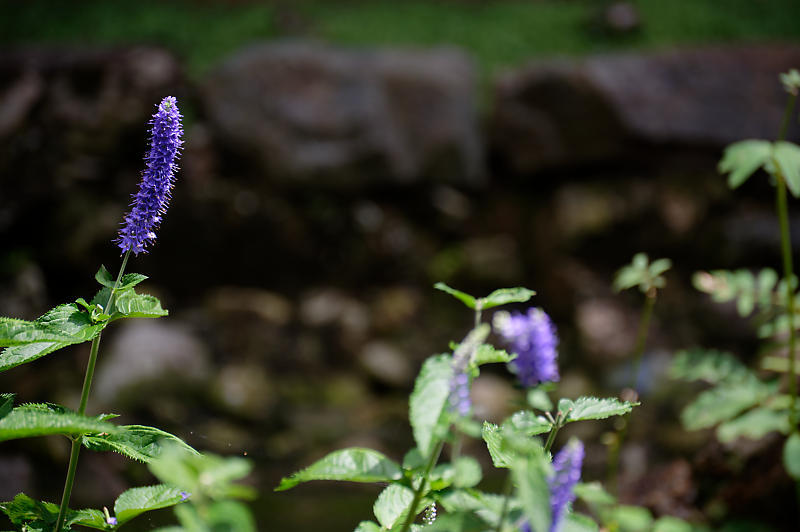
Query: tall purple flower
(150, 202)
(532, 337)
(566, 473)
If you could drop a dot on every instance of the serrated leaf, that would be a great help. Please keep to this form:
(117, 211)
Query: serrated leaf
(742, 159)
(724, 402)
(709, 365)
(465, 298)
(62, 326)
(392, 504)
(493, 437)
(786, 156)
(528, 423)
(791, 455)
(488, 354)
(20, 332)
(530, 478)
(34, 515)
(353, 465)
(584, 408)
(6, 404)
(129, 280)
(138, 442)
(136, 501)
(503, 296)
(427, 404)
(26, 422)
(457, 522)
(754, 424)
(128, 304)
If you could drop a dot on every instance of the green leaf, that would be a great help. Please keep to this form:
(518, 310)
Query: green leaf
(33, 515)
(786, 156)
(230, 516)
(353, 465)
(467, 472)
(392, 504)
(6, 404)
(492, 435)
(528, 423)
(503, 296)
(488, 354)
(584, 408)
(578, 523)
(593, 494)
(136, 501)
(21, 332)
(203, 475)
(791, 455)
(668, 523)
(457, 522)
(128, 280)
(128, 304)
(538, 399)
(62, 326)
(754, 424)
(725, 401)
(487, 505)
(137, 442)
(367, 526)
(465, 298)
(530, 477)
(632, 518)
(427, 404)
(708, 365)
(32, 420)
(742, 159)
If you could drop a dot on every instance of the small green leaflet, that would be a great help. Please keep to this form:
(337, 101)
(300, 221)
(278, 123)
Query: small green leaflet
(128, 304)
(494, 443)
(136, 501)
(129, 280)
(741, 159)
(584, 408)
(753, 424)
(367, 526)
(428, 402)
(499, 297)
(36, 515)
(725, 401)
(137, 442)
(353, 465)
(488, 354)
(528, 423)
(37, 420)
(786, 156)
(708, 365)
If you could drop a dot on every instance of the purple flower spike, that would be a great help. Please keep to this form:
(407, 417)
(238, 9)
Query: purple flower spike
(532, 337)
(460, 401)
(150, 202)
(566, 473)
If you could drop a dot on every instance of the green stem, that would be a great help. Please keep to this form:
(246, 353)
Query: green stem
(641, 337)
(87, 385)
(412, 510)
(788, 274)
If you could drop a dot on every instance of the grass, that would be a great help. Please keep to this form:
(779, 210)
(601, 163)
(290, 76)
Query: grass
(497, 33)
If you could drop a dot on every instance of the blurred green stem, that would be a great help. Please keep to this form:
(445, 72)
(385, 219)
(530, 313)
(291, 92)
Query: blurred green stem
(786, 251)
(87, 385)
(412, 510)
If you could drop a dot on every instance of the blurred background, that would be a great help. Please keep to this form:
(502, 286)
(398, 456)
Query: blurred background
(340, 158)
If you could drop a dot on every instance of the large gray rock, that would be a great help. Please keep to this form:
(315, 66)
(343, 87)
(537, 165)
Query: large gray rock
(309, 112)
(556, 112)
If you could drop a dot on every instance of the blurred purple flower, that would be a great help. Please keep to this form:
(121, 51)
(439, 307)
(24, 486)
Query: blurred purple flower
(185, 495)
(532, 337)
(459, 394)
(150, 202)
(111, 520)
(566, 473)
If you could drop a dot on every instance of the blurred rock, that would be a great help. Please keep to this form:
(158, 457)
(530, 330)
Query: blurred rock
(578, 111)
(245, 390)
(328, 307)
(386, 363)
(607, 328)
(266, 306)
(306, 112)
(146, 353)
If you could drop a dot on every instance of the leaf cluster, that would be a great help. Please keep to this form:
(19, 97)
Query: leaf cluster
(648, 276)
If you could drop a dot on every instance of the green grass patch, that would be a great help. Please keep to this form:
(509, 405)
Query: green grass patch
(497, 33)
